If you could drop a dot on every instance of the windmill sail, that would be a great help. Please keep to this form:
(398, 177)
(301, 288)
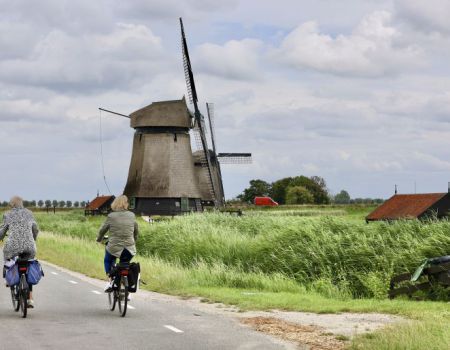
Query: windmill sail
(199, 119)
(210, 110)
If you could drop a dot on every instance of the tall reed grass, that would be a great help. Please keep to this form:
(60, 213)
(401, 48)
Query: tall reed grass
(333, 255)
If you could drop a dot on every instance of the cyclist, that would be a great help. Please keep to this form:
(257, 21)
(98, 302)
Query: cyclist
(22, 233)
(123, 232)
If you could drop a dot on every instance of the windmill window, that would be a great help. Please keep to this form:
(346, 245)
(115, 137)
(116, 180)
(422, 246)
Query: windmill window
(140, 137)
(175, 137)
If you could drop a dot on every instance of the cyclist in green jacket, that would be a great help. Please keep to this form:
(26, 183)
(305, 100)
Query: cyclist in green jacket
(123, 232)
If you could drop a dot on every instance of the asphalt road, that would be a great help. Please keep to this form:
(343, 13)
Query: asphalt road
(71, 313)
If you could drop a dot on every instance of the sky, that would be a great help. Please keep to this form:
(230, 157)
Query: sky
(355, 91)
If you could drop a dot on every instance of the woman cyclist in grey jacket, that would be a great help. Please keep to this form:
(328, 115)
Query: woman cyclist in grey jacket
(22, 232)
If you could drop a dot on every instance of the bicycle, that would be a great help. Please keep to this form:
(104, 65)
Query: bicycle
(21, 292)
(119, 290)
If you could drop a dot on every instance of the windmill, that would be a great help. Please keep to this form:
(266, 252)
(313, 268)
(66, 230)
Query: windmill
(207, 161)
(165, 177)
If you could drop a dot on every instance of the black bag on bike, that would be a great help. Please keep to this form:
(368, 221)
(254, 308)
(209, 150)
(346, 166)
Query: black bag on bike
(133, 277)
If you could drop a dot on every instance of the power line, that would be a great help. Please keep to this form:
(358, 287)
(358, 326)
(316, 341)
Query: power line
(101, 152)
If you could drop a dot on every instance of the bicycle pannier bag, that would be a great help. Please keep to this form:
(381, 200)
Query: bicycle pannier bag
(133, 277)
(12, 275)
(34, 272)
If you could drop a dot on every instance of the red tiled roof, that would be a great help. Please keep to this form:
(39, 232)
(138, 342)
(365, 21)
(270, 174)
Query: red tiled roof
(98, 202)
(404, 206)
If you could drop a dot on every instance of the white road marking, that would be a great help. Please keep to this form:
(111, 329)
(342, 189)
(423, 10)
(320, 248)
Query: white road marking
(73, 282)
(96, 292)
(54, 273)
(131, 307)
(173, 329)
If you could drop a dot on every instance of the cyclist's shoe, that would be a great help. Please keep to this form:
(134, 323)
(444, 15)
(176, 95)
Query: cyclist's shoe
(30, 303)
(108, 287)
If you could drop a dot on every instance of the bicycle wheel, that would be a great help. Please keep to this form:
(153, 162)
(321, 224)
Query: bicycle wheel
(15, 297)
(112, 299)
(23, 296)
(123, 296)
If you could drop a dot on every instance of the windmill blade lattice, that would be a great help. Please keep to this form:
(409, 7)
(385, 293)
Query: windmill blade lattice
(235, 158)
(188, 74)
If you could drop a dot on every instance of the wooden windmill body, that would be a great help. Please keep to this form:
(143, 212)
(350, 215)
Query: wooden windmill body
(162, 177)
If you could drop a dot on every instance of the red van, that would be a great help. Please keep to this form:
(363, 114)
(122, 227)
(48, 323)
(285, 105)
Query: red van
(265, 201)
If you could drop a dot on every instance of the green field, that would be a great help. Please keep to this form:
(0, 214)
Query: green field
(319, 259)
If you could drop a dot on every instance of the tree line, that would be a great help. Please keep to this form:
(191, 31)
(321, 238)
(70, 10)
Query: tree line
(289, 190)
(300, 190)
(343, 197)
(49, 204)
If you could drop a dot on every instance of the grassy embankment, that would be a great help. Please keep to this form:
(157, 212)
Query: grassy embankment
(294, 261)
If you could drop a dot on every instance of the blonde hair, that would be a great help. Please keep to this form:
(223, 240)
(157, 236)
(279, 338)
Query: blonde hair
(120, 203)
(16, 202)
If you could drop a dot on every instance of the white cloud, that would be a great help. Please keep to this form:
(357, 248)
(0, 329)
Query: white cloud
(234, 60)
(427, 16)
(375, 48)
(60, 61)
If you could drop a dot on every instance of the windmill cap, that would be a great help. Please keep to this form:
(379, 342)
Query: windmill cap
(174, 113)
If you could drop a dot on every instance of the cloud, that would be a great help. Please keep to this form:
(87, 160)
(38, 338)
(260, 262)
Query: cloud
(427, 16)
(60, 61)
(75, 17)
(237, 60)
(160, 10)
(375, 48)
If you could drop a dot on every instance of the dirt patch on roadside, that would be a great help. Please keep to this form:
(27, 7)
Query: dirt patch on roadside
(309, 337)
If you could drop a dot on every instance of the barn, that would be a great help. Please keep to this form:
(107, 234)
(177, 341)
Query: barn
(99, 205)
(412, 206)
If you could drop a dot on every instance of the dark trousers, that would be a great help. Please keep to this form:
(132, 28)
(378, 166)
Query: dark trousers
(110, 259)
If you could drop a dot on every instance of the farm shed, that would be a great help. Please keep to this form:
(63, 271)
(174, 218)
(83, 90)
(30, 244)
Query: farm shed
(412, 206)
(99, 205)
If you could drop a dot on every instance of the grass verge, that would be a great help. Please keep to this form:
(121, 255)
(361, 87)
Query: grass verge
(429, 328)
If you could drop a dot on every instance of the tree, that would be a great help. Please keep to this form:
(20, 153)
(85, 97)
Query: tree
(278, 189)
(315, 185)
(40, 203)
(318, 190)
(54, 203)
(83, 204)
(26, 203)
(320, 181)
(48, 203)
(298, 195)
(61, 204)
(69, 204)
(33, 203)
(257, 188)
(342, 197)
(76, 204)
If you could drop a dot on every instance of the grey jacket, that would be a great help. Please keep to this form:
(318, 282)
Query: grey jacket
(23, 231)
(123, 232)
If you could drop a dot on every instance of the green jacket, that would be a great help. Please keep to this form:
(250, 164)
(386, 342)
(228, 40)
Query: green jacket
(123, 232)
